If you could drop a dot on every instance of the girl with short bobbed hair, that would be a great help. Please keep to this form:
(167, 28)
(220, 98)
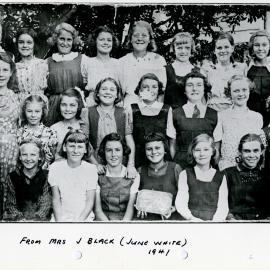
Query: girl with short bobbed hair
(221, 70)
(159, 173)
(73, 181)
(102, 65)
(29, 196)
(258, 71)
(67, 69)
(248, 182)
(236, 121)
(115, 193)
(140, 61)
(32, 72)
(193, 118)
(182, 46)
(148, 115)
(202, 190)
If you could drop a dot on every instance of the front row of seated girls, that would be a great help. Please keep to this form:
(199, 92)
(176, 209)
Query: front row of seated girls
(200, 192)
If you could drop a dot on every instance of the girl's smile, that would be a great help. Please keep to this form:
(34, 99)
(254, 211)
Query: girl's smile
(68, 107)
(107, 93)
(223, 50)
(29, 156)
(182, 49)
(64, 42)
(155, 151)
(261, 47)
(202, 153)
(140, 39)
(104, 43)
(25, 45)
(251, 154)
(33, 113)
(194, 89)
(114, 153)
(240, 92)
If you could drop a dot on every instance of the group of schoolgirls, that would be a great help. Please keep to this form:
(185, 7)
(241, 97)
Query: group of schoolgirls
(99, 146)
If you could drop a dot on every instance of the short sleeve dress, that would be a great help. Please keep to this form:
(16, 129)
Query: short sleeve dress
(9, 115)
(232, 127)
(32, 77)
(218, 77)
(132, 69)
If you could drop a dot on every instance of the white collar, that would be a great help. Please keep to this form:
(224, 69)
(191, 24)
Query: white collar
(252, 63)
(192, 105)
(155, 105)
(57, 57)
(122, 174)
(204, 175)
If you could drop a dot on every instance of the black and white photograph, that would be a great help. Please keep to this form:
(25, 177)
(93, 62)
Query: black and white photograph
(113, 112)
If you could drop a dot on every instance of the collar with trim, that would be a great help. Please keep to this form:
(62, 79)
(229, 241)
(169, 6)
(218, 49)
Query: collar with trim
(57, 57)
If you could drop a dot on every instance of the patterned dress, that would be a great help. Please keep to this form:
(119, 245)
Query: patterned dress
(9, 115)
(45, 135)
(32, 77)
(231, 128)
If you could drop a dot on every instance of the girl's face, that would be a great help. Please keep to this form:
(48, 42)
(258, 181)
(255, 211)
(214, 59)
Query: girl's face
(64, 42)
(5, 73)
(223, 50)
(202, 153)
(240, 92)
(251, 154)
(75, 151)
(149, 90)
(33, 113)
(104, 43)
(26, 45)
(107, 93)
(155, 151)
(114, 153)
(68, 107)
(261, 47)
(194, 89)
(182, 49)
(140, 39)
(29, 156)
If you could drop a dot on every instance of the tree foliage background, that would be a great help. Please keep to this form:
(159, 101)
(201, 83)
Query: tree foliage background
(166, 21)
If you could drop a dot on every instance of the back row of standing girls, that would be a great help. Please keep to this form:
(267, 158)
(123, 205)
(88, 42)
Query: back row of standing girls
(143, 67)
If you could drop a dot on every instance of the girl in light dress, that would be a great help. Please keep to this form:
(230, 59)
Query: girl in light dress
(34, 111)
(140, 61)
(102, 65)
(115, 194)
(9, 116)
(182, 46)
(259, 72)
(221, 71)
(105, 118)
(67, 69)
(73, 181)
(236, 121)
(32, 72)
(202, 190)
